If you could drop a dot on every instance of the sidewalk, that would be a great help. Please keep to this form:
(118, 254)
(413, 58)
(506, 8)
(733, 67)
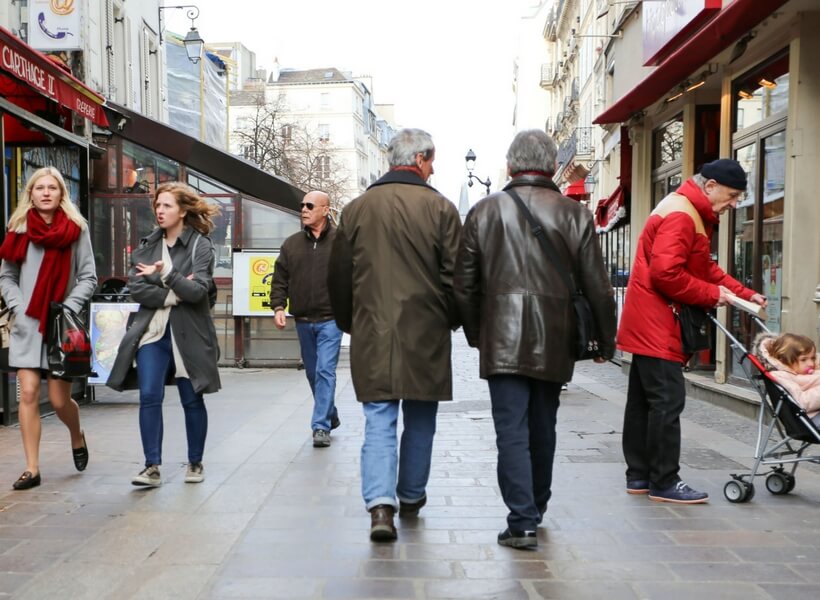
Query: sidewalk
(276, 518)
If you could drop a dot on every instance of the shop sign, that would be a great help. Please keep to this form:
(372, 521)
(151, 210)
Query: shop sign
(37, 71)
(54, 24)
(668, 23)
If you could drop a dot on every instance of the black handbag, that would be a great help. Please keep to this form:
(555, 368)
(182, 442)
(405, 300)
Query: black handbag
(68, 347)
(6, 321)
(587, 345)
(695, 328)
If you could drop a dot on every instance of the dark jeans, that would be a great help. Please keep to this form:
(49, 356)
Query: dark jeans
(524, 414)
(154, 361)
(651, 438)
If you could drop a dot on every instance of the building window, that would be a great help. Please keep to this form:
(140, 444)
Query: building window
(323, 167)
(324, 132)
(325, 101)
(287, 132)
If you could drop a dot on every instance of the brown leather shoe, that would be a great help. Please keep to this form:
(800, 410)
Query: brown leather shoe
(381, 523)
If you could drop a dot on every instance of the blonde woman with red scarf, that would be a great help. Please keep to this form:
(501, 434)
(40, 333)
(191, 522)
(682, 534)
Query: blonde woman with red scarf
(47, 258)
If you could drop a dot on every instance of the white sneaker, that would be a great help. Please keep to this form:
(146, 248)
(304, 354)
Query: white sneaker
(148, 477)
(194, 474)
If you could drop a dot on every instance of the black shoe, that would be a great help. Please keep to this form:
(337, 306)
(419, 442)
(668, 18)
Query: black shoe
(334, 423)
(513, 538)
(80, 455)
(26, 481)
(411, 509)
(541, 512)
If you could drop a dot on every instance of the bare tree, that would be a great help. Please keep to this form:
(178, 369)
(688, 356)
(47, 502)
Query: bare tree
(272, 139)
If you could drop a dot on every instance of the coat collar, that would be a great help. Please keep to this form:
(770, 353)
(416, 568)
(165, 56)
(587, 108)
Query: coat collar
(407, 177)
(325, 230)
(156, 235)
(532, 180)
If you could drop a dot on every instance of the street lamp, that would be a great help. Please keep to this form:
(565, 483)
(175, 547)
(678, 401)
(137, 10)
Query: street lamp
(470, 160)
(193, 41)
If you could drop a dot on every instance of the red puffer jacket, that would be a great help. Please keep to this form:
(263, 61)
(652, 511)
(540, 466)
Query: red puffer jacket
(672, 263)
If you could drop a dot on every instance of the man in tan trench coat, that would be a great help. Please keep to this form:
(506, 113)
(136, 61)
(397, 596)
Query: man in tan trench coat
(391, 288)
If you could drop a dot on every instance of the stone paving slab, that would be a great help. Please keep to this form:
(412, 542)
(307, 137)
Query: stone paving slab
(276, 518)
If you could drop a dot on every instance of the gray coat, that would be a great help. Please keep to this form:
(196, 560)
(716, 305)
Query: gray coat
(191, 324)
(26, 349)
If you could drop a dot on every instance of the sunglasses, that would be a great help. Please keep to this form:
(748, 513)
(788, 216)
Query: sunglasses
(308, 205)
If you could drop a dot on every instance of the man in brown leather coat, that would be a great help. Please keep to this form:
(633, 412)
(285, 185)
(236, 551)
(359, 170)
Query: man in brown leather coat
(516, 309)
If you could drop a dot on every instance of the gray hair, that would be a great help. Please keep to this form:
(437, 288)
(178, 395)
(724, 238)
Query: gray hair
(532, 150)
(406, 144)
(700, 181)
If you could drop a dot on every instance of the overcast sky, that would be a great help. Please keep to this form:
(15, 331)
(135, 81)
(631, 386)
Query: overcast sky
(446, 65)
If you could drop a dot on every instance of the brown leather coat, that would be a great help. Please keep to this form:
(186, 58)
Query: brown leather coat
(513, 304)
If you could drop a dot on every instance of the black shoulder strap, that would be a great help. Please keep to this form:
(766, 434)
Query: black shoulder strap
(538, 231)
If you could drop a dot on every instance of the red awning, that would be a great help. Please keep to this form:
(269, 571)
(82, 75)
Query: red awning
(716, 35)
(22, 62)
(576, 190)
(610, 211)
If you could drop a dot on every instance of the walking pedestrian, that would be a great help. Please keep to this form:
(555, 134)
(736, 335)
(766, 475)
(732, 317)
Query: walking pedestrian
(300, 279)
(517, 310)
(673, 267)
(172, 336)
(47, 258)
(390, 279)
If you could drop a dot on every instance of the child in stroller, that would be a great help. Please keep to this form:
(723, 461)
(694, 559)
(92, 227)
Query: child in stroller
(791, 360)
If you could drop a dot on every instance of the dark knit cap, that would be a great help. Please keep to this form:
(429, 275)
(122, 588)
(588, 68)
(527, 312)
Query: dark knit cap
(726, 172)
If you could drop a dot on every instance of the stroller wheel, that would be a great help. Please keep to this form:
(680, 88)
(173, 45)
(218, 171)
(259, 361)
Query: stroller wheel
(737, 491)
(790, 482)
(778, 483)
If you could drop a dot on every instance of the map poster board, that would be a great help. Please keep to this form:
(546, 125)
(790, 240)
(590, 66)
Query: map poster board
(108, 321)
(252, 277)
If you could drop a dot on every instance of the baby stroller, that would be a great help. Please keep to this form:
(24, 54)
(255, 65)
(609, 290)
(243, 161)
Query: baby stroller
(780, 412)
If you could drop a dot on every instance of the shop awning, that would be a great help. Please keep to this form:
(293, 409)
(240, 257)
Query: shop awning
(715, 36)
(204, 158)
(21, 62)
(610, 210)
(576, 190)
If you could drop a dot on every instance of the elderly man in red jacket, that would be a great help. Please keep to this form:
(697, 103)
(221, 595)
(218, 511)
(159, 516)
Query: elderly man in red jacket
(673, 266)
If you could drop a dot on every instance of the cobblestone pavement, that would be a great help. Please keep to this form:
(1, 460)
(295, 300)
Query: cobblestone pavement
(276, 518)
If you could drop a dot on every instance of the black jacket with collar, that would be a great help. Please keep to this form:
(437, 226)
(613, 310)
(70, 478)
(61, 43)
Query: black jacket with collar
(300, 275)
(513, 304)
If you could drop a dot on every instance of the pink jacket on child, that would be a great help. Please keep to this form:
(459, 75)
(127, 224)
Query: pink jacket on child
(805, 389)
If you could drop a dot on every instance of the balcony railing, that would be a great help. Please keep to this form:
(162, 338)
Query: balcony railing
(567, 149)
(584, 144)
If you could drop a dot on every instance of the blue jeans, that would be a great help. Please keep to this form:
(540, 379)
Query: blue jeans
(320, 344)
(380, 482)
(524, 413)
(154, 362)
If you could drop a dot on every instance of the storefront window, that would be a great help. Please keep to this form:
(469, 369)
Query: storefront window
(667, 144)
(760, 147)
(266, 227)
(143, 170)
(66, 159)
(762, 92)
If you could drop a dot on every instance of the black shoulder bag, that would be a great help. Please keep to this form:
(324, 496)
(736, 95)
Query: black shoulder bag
(587, 345)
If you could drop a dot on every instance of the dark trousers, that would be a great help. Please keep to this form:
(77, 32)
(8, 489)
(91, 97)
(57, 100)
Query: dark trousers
(651, 438)
(524, 414)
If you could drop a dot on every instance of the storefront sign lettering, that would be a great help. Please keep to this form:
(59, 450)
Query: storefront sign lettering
(35, 70)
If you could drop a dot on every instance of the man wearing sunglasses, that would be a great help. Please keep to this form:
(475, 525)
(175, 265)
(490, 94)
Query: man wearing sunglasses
(300, 276)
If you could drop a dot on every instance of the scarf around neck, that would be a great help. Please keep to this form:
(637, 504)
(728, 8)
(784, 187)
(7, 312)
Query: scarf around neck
(52, 278)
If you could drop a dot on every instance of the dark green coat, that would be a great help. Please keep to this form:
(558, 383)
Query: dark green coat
(391, 287)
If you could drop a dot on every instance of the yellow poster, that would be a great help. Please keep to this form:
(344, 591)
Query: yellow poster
(260, 277)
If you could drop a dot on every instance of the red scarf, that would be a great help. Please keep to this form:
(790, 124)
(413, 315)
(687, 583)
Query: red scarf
(411, 168)
(52, 278)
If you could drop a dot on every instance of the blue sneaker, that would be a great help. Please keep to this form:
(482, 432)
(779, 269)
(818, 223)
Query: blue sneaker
(678, 493)
(637, 486)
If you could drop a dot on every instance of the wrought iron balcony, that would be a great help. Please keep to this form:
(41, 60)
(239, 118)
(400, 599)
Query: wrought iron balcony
(567, 149)
(585, 145)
